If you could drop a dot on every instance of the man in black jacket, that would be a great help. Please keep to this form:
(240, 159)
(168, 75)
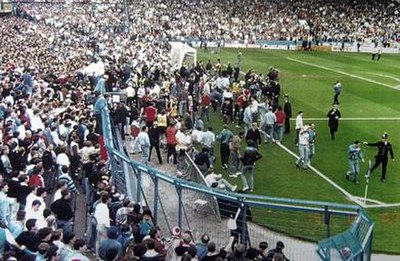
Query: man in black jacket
(202, 160)
(384, 148)
(249, 158)
(154, 135)
(333, 120)
(63, 211)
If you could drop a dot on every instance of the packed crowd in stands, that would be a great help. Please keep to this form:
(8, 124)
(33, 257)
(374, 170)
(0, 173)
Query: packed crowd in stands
(237, 20)
(54, 75)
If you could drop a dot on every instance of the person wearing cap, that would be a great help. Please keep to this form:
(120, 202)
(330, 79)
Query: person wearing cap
(384, 148)
(333, 120)
(262, 250)
(277, 251)
(354, 155)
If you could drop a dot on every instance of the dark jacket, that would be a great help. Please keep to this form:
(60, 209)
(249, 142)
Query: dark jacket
(62, 209)
(250, 156)
(383, 150)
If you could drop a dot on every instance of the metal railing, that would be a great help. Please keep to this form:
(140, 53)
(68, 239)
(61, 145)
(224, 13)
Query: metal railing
(190, 204)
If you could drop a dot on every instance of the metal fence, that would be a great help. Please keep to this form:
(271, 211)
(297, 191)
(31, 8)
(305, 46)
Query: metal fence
(344, 231)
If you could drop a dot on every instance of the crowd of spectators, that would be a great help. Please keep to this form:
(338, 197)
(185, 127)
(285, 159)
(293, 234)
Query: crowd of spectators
(248, 21)
(58, 62)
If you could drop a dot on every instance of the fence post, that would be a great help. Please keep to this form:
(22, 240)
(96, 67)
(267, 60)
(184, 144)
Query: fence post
(245, 237)
(179, 191)
(327, 218)
(155, 207)
(139, 186)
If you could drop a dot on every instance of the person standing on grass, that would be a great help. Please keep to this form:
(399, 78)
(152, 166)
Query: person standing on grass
(279, 123)
(312, 135)
(287, 108)
(299, 126)
(384, 148)
(333, 120)
(254, 135)
(225, 137)
(354, 156)
(249, 158)
(304, 148)
(269, 121)
(337, 89)
(234, 157)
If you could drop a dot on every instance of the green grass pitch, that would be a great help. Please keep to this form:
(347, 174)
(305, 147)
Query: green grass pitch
(371, 89)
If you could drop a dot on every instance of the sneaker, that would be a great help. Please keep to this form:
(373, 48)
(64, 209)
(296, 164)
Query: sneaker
(347, 175)
(355, 181)
(297, 165)
(238, 173)
(234, 188)
(265, 141)
(225, 166)
(237, 126)
(232, 176)
(251, 190)
(245, 189)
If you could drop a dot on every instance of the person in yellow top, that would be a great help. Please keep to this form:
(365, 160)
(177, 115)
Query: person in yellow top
(162, 125)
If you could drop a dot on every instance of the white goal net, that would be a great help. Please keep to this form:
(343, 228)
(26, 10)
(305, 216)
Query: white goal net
(182, 54)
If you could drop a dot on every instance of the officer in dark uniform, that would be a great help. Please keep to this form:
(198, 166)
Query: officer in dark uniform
(333, 120)
(384, 148)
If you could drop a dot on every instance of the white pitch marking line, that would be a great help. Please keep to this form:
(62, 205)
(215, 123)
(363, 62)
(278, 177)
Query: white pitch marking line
(371, 200)
(387, 76)
(385, 205)
(347, 194)
(353, 119)
(344, 73)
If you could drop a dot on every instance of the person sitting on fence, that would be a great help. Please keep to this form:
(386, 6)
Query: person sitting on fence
(216, 181)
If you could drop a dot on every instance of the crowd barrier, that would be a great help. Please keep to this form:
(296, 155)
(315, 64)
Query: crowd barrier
(343, 231)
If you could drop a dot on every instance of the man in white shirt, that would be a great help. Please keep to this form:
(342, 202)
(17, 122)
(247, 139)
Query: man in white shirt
(216, 180)
(102, 215)
(299, 126)
(303, 148)
(144, 142)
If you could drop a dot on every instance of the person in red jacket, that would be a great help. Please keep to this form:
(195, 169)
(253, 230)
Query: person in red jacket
(278, 127)
(171, 142)
(205, 105)
(36, 179)
(151, 114)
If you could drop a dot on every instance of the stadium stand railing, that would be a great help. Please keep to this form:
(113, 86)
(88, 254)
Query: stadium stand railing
(344, 232)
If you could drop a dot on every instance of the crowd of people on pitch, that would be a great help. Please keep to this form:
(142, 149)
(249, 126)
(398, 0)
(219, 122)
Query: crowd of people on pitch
(237, 20)
(53, 89)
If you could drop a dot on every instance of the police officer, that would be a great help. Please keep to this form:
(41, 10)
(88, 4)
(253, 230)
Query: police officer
(384, 148)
